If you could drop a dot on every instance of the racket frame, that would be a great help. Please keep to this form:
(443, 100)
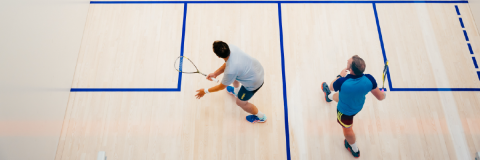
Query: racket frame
(384, 75)
(181, 64)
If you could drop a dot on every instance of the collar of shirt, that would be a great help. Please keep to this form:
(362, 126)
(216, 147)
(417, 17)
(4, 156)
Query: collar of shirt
(353, 76)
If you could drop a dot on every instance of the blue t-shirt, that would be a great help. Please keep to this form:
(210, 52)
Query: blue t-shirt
(352, 93)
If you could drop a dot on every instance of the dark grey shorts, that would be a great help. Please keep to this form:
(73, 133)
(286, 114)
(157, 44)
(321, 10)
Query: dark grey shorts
(245, 95)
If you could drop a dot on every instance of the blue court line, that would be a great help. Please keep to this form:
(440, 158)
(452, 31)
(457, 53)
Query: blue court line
(179, 84)
(475, 62)
(285, 104)
(461, 22)
(458, 11)
(124, 90)
(279, 2)
(413, 89)
(478, 73)
(435, 89)
(470, 48)
(465, 34)
(139, 2)
(380, 37)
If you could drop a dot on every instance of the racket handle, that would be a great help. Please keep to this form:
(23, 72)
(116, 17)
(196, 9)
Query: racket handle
(215, 80)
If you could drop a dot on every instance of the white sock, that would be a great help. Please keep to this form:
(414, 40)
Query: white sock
(260, 115)
(354, 147)
(236, 90)
(330, 96)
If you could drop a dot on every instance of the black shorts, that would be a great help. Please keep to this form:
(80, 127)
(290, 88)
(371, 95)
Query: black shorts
(245, 95)
(345, 121)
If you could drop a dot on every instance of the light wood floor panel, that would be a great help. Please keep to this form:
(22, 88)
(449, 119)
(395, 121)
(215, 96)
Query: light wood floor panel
(130, 46)
(175, 125)
(134, 45)
(407, 125)
(468, 106)
(319, 38)
(126, 126)
(330, 33)
(425, 41)
(253, 28)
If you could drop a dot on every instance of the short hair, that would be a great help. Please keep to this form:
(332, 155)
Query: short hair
(221, 49)
(358, 65)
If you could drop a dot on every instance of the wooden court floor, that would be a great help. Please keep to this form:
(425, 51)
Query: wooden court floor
(133, 47)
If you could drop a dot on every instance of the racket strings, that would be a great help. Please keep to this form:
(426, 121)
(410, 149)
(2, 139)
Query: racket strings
(185, 65)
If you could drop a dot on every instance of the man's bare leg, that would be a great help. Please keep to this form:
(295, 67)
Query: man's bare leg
(247, 106)
(236, 87)
(349, 135)
(335, 97)
(256, 116)
(236, 84)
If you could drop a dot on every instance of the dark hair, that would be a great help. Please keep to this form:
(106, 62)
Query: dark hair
(221, 49)
(358, 65)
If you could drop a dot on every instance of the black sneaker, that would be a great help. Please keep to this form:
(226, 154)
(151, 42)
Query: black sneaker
(326, 90)
(349, 148)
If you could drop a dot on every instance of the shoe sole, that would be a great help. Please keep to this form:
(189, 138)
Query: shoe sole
(348, 148)
(325, 93)
(231, 93)
(258, 121)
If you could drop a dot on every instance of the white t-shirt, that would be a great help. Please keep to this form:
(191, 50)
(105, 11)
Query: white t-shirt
(243, 68)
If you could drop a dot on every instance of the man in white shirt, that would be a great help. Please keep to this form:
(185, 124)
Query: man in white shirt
(238, 68)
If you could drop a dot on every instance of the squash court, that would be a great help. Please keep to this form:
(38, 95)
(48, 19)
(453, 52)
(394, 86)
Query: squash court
(129, 101)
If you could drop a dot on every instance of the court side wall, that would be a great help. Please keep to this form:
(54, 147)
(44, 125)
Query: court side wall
(39, 44)
(475, 8)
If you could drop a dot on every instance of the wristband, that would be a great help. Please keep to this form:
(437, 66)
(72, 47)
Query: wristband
(206, 91)
(339, 76)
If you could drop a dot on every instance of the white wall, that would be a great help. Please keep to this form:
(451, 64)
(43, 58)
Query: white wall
(39, 44)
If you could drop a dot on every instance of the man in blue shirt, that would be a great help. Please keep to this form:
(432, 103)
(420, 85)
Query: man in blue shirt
(352, 89)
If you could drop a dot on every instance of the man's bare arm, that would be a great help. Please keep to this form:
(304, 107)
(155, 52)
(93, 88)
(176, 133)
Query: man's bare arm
(221, 69)
(378, 94)
(217, 72)
(201, 92)
(218, 87)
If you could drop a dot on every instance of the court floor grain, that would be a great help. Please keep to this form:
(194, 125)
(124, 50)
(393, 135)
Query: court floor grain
(431, 110)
